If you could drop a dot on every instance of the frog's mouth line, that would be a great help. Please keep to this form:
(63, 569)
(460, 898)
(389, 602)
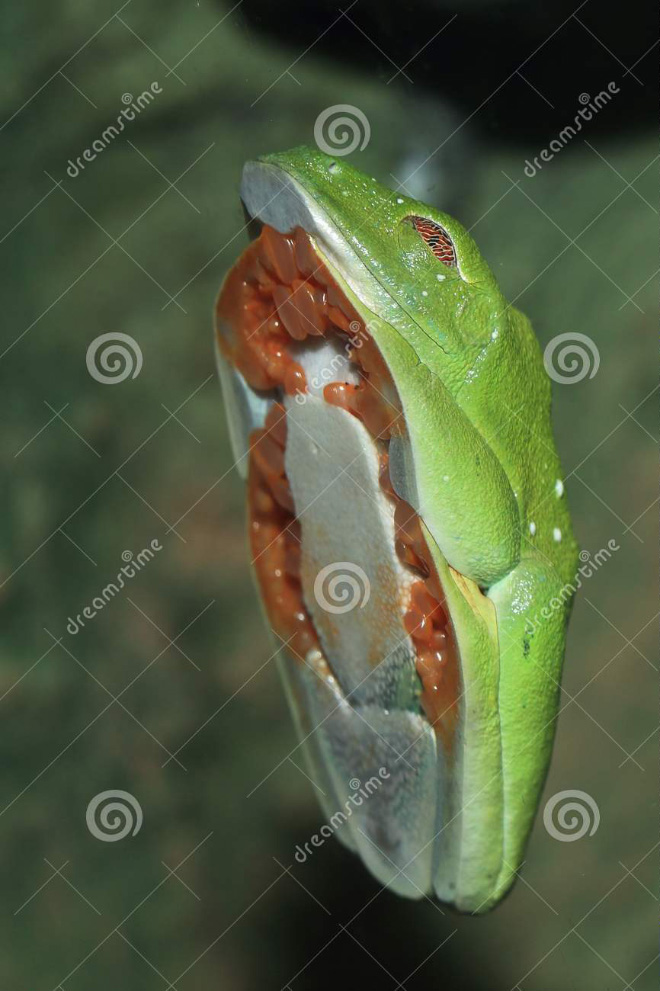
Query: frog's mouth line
(288, 329)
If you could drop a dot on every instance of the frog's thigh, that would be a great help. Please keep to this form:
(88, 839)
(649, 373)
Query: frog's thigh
(383, 771)
(310, 743)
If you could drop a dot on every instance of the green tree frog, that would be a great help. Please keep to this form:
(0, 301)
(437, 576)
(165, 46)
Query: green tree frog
(390, 413)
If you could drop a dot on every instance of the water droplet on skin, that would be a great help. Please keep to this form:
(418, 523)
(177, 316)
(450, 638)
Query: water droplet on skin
(494, 335)
(559, 488)
(424, 292)
(556, 534)
(445, 478)
(399, 200)
(532, 528)
(440, 278)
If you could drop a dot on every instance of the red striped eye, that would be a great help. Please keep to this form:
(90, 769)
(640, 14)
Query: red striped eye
(437, 238)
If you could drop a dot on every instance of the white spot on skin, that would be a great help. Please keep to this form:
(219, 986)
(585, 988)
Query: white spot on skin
(445, 478)
(532, 528)
(559, 488)
(424, 292)
(399, 200)
(494, 335)
(522, 599)
(440, 278)
(556, 534)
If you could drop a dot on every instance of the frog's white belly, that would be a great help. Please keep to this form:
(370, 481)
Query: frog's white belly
(368, 725)
(348, 543)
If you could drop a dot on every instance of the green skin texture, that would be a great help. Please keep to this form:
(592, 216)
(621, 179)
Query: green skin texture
(477, 410)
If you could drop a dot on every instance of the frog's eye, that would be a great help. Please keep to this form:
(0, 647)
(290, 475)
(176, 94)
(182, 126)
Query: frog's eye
(437, 239)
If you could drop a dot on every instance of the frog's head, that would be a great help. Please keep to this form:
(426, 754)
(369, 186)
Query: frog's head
(411, 264)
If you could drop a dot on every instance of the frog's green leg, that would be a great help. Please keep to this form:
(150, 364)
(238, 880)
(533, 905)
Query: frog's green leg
(532, 609)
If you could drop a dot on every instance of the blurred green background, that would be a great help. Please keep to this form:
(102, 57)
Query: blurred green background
(171, 692)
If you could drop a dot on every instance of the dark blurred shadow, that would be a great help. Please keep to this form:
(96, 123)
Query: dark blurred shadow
(466, 52)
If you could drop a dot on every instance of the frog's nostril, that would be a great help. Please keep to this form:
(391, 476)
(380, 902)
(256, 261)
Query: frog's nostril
(332, 167)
